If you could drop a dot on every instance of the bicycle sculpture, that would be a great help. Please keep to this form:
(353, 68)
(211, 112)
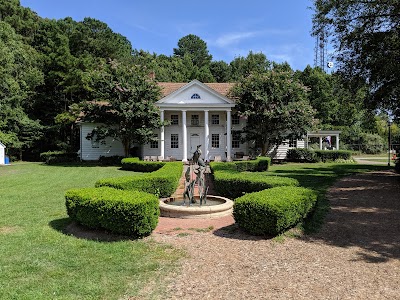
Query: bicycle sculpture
(198, 166)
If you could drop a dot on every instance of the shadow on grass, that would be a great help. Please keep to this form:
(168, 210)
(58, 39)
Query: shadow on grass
(71, 228)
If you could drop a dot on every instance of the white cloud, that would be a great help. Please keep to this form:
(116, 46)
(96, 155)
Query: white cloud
(237, 37)
(234, 38)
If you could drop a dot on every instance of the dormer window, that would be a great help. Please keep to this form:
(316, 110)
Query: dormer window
(195, 96)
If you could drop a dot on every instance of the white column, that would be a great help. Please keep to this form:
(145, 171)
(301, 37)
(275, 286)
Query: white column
(162, 140)
(206, 137)
(184, 134)
(228, 135)
(320, 143)
(337, 142)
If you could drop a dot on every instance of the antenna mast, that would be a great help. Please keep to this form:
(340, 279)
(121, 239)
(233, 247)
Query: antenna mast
(320, 51)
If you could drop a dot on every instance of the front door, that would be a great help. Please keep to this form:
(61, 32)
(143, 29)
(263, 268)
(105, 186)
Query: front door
(194, 142)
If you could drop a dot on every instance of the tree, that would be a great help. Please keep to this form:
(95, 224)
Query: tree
(124, 103)
(276, 107)
(196, 48)
(366, 38)
(221, 71)
(253, 63)
(19, 75)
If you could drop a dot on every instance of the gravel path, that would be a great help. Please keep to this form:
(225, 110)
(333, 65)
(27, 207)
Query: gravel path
(356, 255)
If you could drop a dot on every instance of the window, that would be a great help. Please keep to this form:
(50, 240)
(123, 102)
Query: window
(292, 143)
(235, 139)
(195, 121)
(195, 96)
(215, 119)
(154, 144)
(174, 120)
(94, 139)
(174, 140)
(235, 119)
(215, 140)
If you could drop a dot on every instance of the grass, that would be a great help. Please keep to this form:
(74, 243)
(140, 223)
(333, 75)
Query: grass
(319, 177)
(39, 261)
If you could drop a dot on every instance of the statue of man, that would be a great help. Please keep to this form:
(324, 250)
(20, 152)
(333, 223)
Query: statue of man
(196, 154)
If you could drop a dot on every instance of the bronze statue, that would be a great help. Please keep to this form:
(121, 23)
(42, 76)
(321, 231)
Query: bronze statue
(190, 184)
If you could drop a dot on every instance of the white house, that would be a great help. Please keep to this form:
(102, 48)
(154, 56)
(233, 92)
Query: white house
(199, 114)
(2, 154)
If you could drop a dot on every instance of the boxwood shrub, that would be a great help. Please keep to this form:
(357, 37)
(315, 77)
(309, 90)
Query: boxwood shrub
(301, 155)
(162, 182)
(233, 184)
(332, 155)
(136, 165)
(257, 165)
(55, 157)
(131, 213)
(114, 160)
(270, 212)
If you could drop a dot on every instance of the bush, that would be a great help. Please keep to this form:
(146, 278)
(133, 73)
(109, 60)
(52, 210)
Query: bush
(114, 160)
(136, 165)
(397, 165)
(131, 213)
(54, 157)
(258, 165)
(272, 211)
(162, 182)
(232, 184)
(371, 143)
(301, 155)
(332, 155)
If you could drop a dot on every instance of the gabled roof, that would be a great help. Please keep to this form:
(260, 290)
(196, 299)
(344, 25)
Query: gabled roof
(180, 95)
(168, 88)
(2, 145)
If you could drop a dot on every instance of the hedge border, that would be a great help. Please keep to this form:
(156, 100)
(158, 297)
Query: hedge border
(132, 213)
(162, 182)
(272, 211)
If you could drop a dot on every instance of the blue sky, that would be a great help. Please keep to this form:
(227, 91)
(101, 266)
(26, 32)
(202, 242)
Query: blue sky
(278, 28)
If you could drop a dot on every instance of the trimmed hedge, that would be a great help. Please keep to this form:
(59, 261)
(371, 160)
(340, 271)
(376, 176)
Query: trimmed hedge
(131, 213)
(114, 160)
(234, 184)
(397, 165)
(272, 211)
(136, 165)
(331, 155)
(54, 157)
(257, 165)
(162, 182)
(301, 155)
(231, 183)
(307, 155)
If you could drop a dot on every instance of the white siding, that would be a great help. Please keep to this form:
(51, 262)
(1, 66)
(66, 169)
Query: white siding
(280, 152)
(2, 154)
(110, 148)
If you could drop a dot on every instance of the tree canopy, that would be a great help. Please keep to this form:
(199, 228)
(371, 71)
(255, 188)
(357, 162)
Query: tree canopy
(366, 38)
(276, 107)
(124, 102)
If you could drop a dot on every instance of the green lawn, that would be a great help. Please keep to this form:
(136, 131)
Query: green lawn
(39, 261)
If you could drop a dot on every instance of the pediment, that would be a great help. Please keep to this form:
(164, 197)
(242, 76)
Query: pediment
(195, 94)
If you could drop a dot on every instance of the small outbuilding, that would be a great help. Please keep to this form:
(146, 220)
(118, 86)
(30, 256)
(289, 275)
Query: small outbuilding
(2, 154)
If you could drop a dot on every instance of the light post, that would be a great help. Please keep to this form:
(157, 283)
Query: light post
(389, 141)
